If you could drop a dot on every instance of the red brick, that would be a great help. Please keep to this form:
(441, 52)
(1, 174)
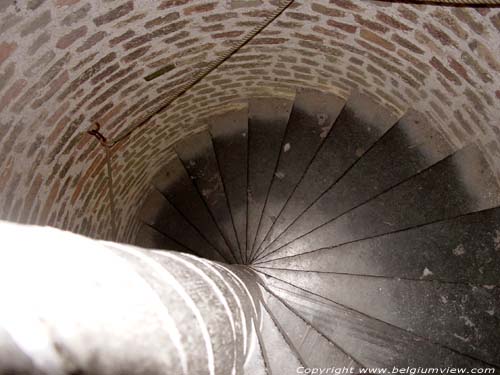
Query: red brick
(53, 89)
(257, 41)
(114, 14)
(6, 49)
(379, 41)
(172, 3)
(68, 39)
(134, 55)
(220, 17)
(343, 26)
(476, 67)
(87, 74)
(161, 20)
(61, 3)
(464, 15)
(392, 22)
(58, 128)
(49, 202)
(347, 4)
(485, 54)
(36, 23)
(448, 74)
(495, 19)
(406, 44)
(30, 198)
(309, 37)
(44, 80)
(302, 16)
(373, 26)
(439, 34)
(459, 69)
(126, 35)
(92, 41)
(12, 93)
(201, 8)
(228, 34)
(5, 174)
(448, 20)
(57, 114)
(105, 73)
(407, 13)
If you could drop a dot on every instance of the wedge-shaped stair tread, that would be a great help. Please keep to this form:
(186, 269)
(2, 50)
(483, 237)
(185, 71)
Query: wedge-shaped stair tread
(371, 341)
(311, 119)
(161, 215)
(176, 185)
(463, 250)
(230, 138)
(279, 356)
(315, 349)
(152, 238)
(256, 365)
(459, 316)
(406, 149)
(459, 184)
(360, 124)
(267, 121)
(198, 157)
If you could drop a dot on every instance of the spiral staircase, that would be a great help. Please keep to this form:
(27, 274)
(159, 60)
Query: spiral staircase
(376, 243)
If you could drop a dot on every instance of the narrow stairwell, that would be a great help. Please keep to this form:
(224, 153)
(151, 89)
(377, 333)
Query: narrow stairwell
(376, 243)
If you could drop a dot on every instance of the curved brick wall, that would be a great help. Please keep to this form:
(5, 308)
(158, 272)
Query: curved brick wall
(66, 63)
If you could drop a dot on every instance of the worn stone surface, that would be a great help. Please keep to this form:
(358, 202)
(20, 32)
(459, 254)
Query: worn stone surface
(66, 63)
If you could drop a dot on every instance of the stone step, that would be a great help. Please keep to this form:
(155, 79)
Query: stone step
(198, 157)
(461, 250)
(229, 133)
(358, 127)
(463, 317)
(405, 150)
(457, 185)
(267, 121)
(311, 120)
(158, 213)
(371, 341)
(279, 356)
(315, 349)
(175, 184)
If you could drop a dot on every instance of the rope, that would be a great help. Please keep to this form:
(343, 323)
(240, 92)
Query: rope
(197, 78)
(282, 6)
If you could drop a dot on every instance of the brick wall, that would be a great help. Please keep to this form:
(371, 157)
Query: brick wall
(66, 63)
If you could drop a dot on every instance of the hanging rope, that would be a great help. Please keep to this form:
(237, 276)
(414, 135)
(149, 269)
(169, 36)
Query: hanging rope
(197, 78)
(282, 6)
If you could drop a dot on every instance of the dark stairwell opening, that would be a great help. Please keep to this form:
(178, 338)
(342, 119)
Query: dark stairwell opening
(311, 185)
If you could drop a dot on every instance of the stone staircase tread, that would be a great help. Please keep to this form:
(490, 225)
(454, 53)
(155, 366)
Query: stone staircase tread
(198, 157)
(459, 250)
(465, 318)
(359, 126)
(447, 189)
(229, 133)
(175, 184)
(267, 122)
(310, 122)
(405, 150)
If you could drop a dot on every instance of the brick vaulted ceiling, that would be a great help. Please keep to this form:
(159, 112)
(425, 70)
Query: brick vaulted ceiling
(67, 63)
